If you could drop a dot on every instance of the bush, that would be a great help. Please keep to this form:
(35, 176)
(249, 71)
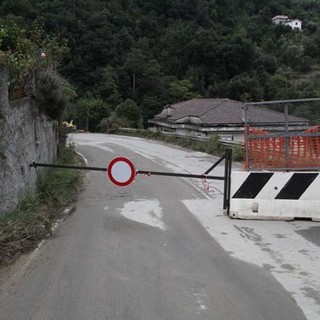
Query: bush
(53, 93)
(129, 114)
(104, 125)
(237, 153)
(214, 146)
(55, 185)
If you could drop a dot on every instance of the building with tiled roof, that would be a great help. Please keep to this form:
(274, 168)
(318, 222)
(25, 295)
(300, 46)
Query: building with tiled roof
(225, 117)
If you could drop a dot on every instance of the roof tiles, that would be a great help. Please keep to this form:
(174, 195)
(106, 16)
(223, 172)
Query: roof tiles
(222, 112)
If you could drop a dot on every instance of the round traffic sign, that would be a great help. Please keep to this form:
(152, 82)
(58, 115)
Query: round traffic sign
(121, 171)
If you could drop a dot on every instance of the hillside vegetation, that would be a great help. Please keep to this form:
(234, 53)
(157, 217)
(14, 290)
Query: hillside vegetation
(129, 58)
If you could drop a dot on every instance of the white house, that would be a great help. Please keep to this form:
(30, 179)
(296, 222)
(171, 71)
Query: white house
(295, 24)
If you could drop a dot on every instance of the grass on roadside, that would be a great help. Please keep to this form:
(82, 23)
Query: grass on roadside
(21, 229)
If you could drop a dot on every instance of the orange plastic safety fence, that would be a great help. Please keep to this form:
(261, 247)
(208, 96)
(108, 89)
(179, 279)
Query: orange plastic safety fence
(263, 152)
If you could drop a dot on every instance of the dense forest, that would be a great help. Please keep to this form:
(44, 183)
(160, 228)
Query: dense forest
(126, 59)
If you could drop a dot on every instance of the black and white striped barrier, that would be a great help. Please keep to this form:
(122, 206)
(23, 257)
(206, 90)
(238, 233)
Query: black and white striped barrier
(275, 195)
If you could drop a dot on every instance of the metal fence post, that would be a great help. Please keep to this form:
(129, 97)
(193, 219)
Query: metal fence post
(227, 179)
(287, 141)
(246, 138)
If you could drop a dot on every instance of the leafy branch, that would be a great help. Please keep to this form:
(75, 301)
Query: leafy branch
(26, 52)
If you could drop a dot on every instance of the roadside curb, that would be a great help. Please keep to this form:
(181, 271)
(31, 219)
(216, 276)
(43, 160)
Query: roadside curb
(66, 213)
(53, 231)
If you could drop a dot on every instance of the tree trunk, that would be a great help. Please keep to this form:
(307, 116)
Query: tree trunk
(134, 83)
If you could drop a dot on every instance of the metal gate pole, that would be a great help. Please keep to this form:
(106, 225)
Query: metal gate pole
(227, 179)
(146, 172)
(246, 137)
(287, 141)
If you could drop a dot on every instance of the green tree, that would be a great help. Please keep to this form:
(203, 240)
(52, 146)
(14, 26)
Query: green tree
(310, 48)
(152, 81)
(268, 62)
(27, 52)
(275, 86)
(180, 90)
(23, 8)
(292, 55)
(87, 113)
(245, 88)
(129, 114)
(107, 86)
(146, 50)
(134, 63)
(175, 47)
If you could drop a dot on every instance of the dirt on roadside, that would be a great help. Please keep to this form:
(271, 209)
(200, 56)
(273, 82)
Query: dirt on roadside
(17, 238)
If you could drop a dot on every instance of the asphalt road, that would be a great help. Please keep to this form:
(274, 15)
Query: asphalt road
(138, 253)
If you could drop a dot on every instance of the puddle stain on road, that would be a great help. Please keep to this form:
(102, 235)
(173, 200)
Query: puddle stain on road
(148, 212)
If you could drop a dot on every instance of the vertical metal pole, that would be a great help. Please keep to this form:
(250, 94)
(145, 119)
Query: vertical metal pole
(227, 179)
(287, 146)
(246, 137)
(225, 186)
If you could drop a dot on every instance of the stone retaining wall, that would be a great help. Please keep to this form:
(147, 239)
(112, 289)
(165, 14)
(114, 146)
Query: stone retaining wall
(26, 135)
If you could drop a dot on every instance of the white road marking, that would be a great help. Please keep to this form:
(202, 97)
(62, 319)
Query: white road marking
(148, 212)
(95, 143)
(83, 157)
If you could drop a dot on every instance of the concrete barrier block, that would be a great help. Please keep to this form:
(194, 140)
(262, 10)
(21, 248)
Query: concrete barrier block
(275, 195)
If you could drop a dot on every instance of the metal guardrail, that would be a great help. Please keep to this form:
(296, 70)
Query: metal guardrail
(224, 142)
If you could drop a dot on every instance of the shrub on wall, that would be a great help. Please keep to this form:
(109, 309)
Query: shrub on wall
(25, 51)
(53, 93)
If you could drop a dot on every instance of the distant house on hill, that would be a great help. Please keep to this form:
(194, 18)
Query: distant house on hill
(223, 117)
(295, 24)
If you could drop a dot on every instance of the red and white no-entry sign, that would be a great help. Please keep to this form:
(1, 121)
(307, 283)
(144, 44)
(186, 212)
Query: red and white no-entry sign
(121, 171)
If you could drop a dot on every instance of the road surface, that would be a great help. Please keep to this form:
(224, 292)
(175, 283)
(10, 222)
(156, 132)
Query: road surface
(162, 249)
